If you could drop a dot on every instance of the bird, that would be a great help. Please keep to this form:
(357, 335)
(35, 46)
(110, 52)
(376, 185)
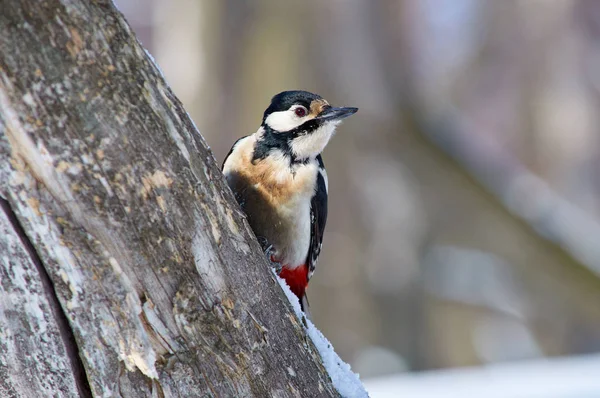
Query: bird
(278, 177)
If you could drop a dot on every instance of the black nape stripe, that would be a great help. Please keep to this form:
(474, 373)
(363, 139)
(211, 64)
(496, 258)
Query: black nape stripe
(272, 140)
(320, 161)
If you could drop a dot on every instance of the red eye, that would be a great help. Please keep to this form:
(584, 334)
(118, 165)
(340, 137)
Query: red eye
(300, 111)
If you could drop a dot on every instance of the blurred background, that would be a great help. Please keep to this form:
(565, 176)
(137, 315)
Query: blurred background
(464, 225)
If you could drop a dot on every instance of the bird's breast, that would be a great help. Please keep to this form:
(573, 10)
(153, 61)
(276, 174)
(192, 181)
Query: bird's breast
(276, 199)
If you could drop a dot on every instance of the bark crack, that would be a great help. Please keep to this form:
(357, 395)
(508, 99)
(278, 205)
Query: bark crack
(66, 333)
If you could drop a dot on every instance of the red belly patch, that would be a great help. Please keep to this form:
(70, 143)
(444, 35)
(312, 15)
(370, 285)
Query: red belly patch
(297, 279)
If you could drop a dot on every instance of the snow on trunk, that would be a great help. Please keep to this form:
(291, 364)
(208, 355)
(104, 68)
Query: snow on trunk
(346, 382)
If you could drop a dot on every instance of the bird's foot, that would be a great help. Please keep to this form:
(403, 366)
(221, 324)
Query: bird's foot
(271, 257)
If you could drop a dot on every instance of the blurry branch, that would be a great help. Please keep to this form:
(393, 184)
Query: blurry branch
(524, 194)
(127, 269)
(517, 188)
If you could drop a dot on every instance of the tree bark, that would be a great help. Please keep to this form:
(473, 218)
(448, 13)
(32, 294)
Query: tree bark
(126, 267)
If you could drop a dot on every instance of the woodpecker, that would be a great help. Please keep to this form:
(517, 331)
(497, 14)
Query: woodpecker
(278, 177)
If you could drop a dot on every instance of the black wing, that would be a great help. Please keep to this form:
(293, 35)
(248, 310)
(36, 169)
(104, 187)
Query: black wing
(318, 218)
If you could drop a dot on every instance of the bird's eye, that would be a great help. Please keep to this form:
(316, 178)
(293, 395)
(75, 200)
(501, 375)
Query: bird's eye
(300, 111)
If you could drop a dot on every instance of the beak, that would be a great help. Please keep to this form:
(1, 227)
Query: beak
(332, 113)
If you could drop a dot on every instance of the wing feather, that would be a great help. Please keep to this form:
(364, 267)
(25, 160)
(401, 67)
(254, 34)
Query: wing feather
(318, 218)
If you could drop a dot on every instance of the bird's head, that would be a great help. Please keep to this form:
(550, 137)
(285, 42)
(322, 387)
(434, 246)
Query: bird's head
(304, 121)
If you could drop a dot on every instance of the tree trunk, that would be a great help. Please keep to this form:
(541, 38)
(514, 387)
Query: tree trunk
(126, 267)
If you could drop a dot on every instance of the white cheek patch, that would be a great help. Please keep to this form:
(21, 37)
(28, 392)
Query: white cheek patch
(285, 120)
(312, 144)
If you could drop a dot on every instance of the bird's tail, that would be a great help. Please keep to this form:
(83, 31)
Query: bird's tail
(304, 306)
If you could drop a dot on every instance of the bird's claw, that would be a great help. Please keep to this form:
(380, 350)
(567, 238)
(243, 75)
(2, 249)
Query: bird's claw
(274, 263)
(277, 265)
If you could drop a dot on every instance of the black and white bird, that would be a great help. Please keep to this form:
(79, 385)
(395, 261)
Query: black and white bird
(279, 180)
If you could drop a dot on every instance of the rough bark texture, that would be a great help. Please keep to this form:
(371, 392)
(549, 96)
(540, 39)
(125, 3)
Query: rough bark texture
(34, 337)
(117, 229)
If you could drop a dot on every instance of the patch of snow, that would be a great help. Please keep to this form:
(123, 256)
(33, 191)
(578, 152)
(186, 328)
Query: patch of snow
(572, 377)
(346, 382)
